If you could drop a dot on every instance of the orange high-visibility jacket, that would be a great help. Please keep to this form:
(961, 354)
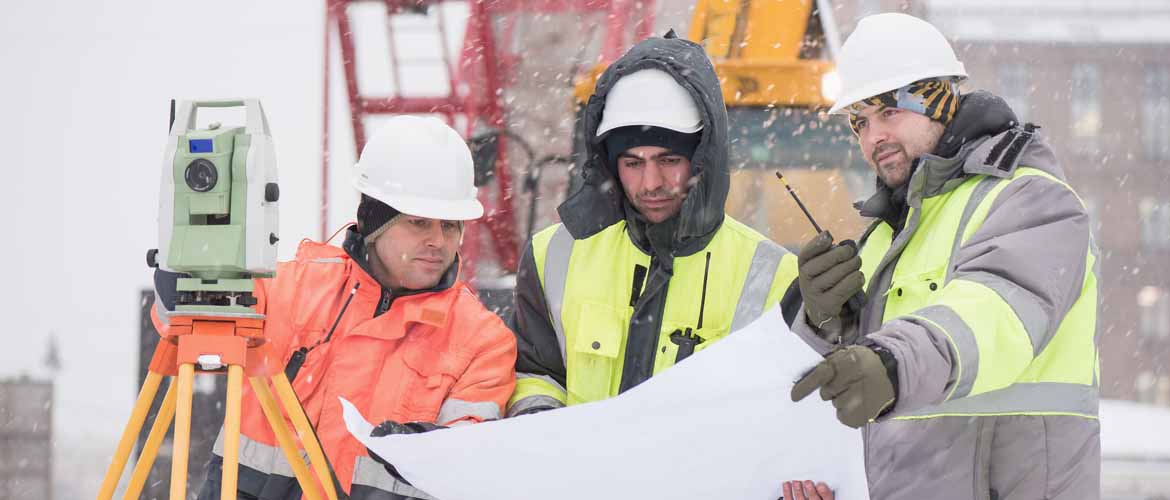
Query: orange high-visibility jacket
(435, 356)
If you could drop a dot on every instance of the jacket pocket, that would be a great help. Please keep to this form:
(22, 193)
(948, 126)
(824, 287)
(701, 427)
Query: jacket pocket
(911, 292)
(594, 352)
(431, 377)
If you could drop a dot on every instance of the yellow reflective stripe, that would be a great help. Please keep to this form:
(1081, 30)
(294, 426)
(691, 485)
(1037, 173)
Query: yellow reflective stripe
(529, 386)
(1000, 338)
(1042, 398)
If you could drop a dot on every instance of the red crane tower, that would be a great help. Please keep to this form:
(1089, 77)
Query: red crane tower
(476, 82)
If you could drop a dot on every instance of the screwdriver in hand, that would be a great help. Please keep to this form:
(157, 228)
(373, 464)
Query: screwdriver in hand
(857, 301)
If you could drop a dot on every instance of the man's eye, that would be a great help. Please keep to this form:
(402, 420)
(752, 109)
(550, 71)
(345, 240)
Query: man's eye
(419, 223)
(671, 160)
(450, 225)
(630, 163)
(860, 124)
(888, 112)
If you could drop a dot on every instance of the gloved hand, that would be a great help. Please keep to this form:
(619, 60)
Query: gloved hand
(981, 113)
(829, 275)
(860, 380)
(391, 427)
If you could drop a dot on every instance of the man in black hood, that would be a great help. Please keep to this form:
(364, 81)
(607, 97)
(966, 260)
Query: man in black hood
(646, 268)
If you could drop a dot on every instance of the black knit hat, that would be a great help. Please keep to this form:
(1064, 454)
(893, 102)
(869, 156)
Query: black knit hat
(373, 214)
(622, 139)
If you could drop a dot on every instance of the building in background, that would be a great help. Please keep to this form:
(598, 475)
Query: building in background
(26, 437)
(1096, 77)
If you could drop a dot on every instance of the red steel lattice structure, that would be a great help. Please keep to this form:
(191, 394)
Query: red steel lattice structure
(477, 81)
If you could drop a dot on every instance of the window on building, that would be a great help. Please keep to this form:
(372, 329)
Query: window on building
(868, 7)
(1162, 393)
(1156, 113)
(1155, 217)
(1154, 303)
(1086, 107)
(1015, 86)
(1146, 386)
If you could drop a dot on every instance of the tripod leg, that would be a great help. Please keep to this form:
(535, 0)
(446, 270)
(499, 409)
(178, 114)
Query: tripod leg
(129, 435)
(283, 436)
(162, 422)
(182, 441)
(292, 406)
(231, 433)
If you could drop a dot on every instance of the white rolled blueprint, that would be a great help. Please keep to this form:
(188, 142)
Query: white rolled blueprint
(718, 425)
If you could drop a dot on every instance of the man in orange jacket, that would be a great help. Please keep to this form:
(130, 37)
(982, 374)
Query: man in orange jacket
(382, 321)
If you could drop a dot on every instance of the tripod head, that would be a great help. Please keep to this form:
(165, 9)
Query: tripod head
(217, 209)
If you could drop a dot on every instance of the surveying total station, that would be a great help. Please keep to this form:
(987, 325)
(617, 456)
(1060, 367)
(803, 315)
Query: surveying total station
(217, 226)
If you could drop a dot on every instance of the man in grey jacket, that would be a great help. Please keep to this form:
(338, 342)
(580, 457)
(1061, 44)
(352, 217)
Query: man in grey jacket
(973, 363)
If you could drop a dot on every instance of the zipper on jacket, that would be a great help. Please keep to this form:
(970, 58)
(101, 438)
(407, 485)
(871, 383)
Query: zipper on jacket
(703, 298)
(638, 283)
(688, 340)
(384, 303)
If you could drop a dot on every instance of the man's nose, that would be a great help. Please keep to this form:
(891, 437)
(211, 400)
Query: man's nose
(652, 176)
(434, 235)
(876, 134)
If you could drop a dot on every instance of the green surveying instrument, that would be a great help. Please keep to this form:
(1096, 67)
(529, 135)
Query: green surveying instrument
(218, 208)
(217, 225)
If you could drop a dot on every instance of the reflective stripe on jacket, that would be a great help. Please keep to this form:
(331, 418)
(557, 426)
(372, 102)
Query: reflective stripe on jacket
(988, 300)
(437, 356)
(590, 287)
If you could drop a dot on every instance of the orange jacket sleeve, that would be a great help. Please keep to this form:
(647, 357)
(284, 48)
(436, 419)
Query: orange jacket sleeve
(484, 388)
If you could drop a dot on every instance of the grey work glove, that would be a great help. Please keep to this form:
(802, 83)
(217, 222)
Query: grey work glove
(860, 380)
(829, 275)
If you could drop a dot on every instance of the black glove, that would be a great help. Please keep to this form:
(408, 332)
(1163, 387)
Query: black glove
(861, 380)
(980, 114)
(391, 427)
(829, 276)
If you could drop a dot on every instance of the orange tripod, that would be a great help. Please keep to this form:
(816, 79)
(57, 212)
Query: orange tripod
(209, 344)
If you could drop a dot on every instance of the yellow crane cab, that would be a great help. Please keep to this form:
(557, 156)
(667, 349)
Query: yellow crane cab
(774, 61)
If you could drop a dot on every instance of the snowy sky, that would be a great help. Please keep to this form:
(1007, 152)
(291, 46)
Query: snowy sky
(86, 87)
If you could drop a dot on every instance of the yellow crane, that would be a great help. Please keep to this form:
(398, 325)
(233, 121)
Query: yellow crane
(774, 59)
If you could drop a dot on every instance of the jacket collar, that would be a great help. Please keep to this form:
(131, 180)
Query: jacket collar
(996, 156)
(427, 306)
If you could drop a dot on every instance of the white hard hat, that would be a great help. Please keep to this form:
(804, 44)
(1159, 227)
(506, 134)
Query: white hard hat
(421, 167)
(650, 97)
(889, 51)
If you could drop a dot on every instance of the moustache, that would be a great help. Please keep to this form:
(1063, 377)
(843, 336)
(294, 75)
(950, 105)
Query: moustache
(658, 194)
(883, 149)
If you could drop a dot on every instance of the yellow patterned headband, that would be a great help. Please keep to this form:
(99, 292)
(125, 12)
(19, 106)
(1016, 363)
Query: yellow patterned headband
(936, 98)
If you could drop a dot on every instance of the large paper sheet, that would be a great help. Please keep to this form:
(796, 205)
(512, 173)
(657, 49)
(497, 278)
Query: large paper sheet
(719, 425)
